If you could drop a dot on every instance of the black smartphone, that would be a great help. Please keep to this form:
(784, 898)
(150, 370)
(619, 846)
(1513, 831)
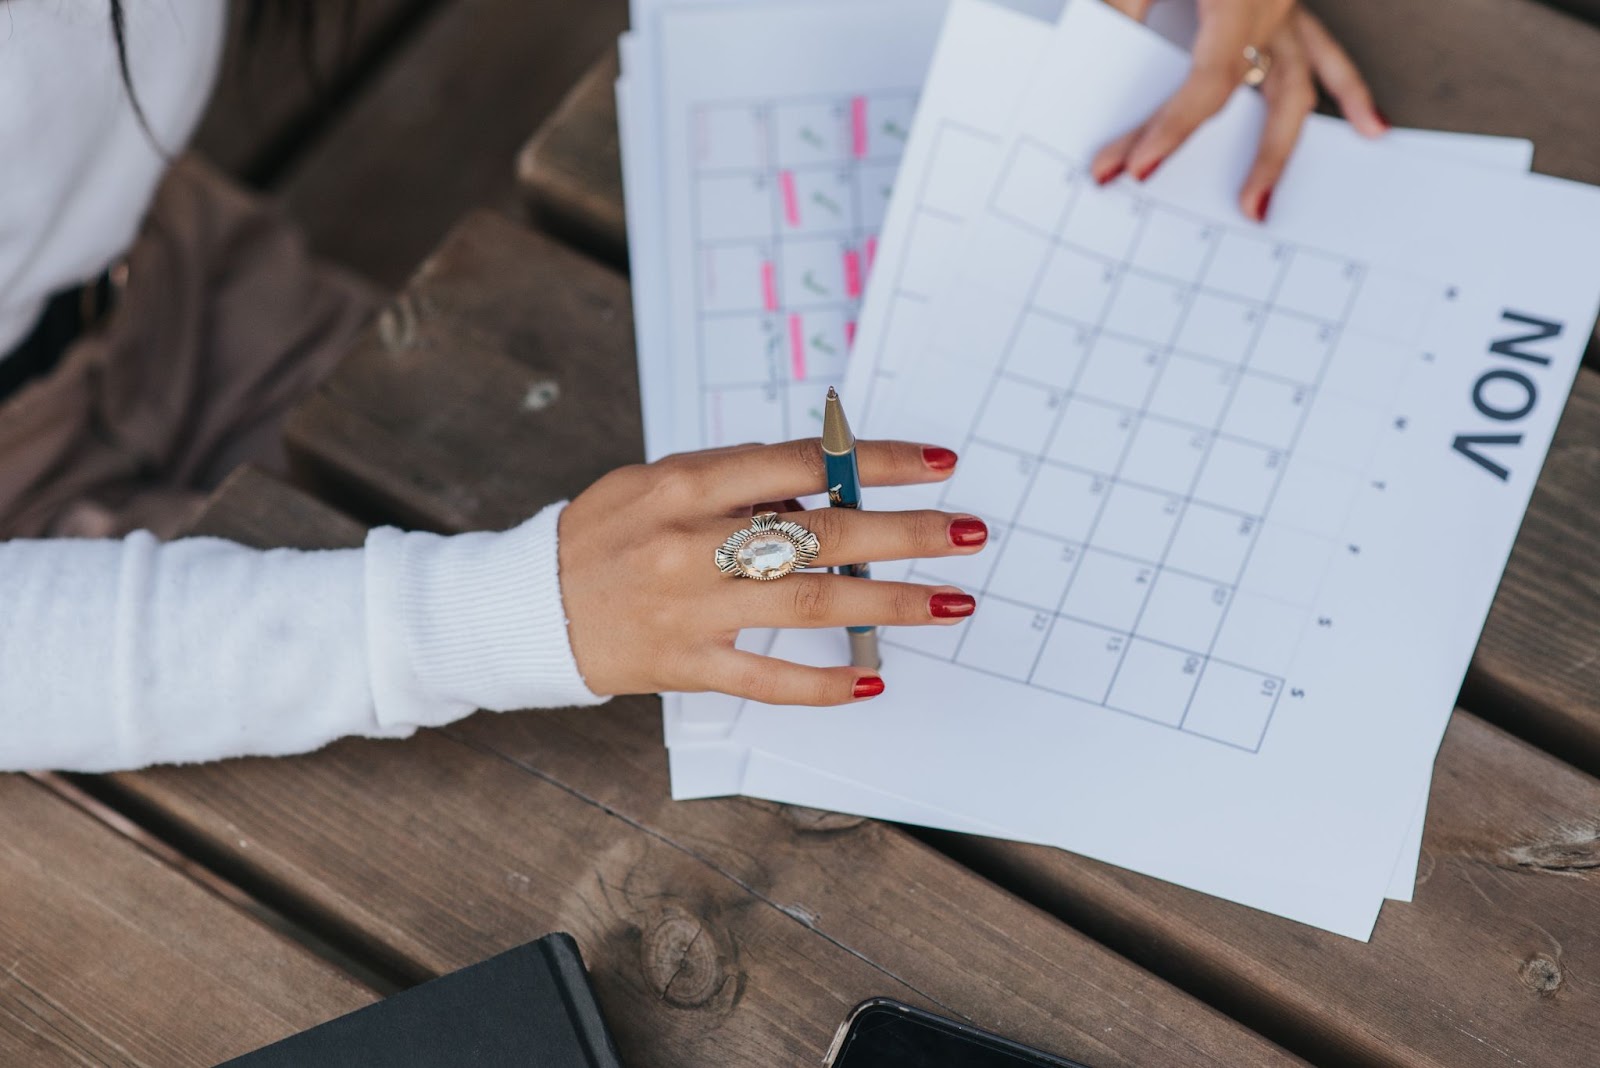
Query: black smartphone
(883, 1033)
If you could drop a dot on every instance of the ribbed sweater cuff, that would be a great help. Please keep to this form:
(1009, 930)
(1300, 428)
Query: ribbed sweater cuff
(467, 622)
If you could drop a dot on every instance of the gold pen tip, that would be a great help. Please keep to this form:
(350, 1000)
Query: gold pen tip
(836, 436)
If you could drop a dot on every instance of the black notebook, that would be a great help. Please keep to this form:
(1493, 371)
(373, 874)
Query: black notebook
(531, 1007)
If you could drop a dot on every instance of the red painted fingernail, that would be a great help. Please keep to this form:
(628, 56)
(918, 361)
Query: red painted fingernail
(951, 605)
(1111, 175)
(867, 686)
(968, 532)
(1149, 169)
(1263, 203)
(1387, 125)
(937, 458)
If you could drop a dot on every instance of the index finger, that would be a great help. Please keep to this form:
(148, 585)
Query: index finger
(796, 468)
(1218, 68)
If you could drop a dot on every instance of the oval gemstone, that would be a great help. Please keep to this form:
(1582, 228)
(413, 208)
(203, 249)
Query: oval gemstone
(766, 553)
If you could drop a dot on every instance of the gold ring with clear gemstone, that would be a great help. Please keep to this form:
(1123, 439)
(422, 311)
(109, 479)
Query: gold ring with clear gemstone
(1260, 65)
(769, 548)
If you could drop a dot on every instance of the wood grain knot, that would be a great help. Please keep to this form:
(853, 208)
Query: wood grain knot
(397, 323)
(1541, 974)
(1573, 853)
(681, 960)
(541, 395)
(819, 821)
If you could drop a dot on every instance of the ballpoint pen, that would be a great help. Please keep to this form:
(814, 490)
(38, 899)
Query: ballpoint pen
(844, 491)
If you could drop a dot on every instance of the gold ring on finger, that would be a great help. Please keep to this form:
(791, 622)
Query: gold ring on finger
(769, 548)
(1260, 65)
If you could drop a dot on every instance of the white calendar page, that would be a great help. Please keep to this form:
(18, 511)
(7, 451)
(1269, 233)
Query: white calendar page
(1211, 728)
(641, 119)
(967, 100)
(984, 63)
(779, 166)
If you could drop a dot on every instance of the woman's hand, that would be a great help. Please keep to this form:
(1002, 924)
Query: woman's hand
(649, 611)
(1301, 52)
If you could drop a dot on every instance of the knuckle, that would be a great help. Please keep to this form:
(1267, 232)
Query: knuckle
(680, 482)
(813, 600)
(910, 603)
(1295, 94)
(665, 483)
(808, 453)
(628, 479)
(755, 682)
(1210, 84)
(828, 525)
(824, 691)
(930, 532)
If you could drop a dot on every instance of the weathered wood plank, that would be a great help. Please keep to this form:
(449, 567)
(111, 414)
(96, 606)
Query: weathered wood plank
(1511, 67)
(274, 89)
(1323, 995)
(1486, 967)
(740, 937)
(570, 173)
(434, 134)
(114, 958)
(1537, 668)
(261, 505)
(489, 416)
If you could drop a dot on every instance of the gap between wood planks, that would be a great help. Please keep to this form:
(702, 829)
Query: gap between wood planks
(102, 801)
(332, 82)
(282, 910)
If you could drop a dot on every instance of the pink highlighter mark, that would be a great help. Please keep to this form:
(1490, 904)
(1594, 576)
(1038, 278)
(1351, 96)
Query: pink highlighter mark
(797, 347)
(791, 199)
(769, 286)
(858, 126)
(850, 334)
(852, 274)
(872, 253)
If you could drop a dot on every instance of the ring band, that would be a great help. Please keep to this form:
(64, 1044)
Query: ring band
(1260, 65)
(769, 548)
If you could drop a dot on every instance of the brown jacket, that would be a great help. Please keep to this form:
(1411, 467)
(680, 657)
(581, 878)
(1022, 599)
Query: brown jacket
(223, 322)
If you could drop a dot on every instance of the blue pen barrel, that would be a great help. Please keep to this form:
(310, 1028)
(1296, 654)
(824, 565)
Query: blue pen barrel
(844, 491)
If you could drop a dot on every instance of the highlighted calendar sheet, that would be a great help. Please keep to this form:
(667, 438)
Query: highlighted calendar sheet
(779, 172)
(1250, 489)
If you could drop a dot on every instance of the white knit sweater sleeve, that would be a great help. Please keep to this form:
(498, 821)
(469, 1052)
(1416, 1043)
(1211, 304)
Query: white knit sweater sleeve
(119, 654)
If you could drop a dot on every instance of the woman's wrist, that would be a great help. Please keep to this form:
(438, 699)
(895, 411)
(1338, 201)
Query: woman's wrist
(467, 622)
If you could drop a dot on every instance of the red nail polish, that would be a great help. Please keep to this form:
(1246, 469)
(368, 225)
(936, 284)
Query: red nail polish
(1112, 175)
(968, 532)
(1263, 204)
(867, 686)
(951, 605)
(1149, 169)
(937, 458)
(1387, 125)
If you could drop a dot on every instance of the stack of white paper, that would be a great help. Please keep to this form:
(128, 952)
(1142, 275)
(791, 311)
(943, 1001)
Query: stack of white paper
(1250, 488)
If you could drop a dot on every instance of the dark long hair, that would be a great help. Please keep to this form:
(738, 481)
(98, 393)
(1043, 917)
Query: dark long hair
(299, 16)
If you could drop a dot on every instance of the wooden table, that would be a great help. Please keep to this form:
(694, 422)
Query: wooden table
(183, 915)
(427, 421)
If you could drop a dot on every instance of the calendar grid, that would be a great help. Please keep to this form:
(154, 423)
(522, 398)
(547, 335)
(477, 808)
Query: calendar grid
(788, 196)
(1177, 328)
(1117, 361)
(775, 255)
(1360, 278)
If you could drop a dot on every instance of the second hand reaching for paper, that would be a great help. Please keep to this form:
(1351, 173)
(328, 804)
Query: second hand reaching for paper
(844, 491)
